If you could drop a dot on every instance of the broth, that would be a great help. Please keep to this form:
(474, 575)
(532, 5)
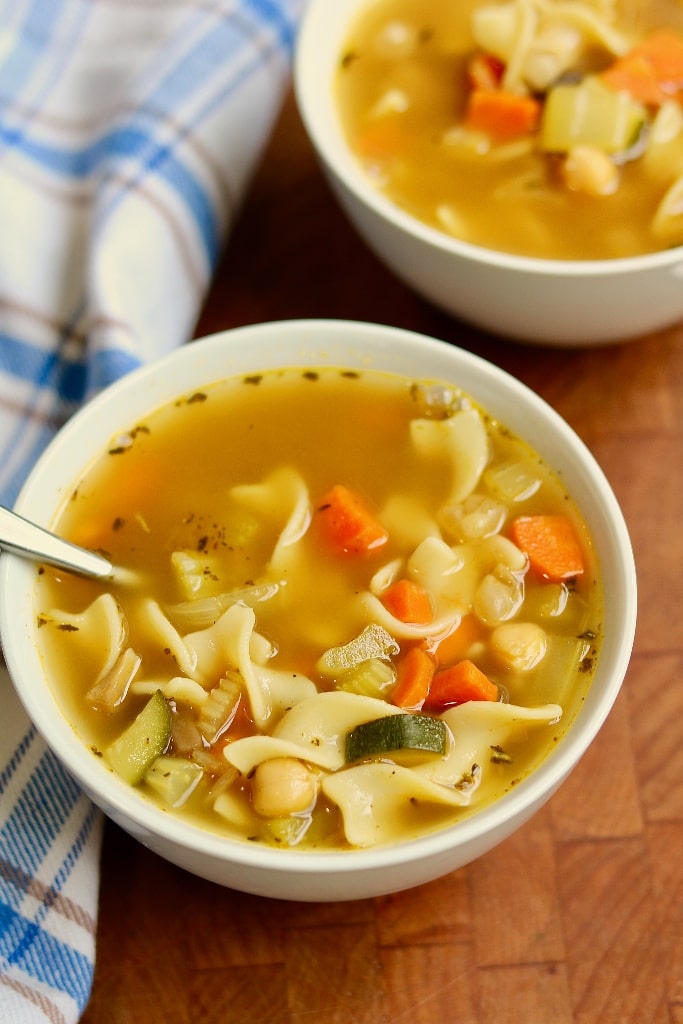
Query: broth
(402, 90)
(250, 594)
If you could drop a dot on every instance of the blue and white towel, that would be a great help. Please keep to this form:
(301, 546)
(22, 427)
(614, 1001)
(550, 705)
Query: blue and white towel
(128, 131)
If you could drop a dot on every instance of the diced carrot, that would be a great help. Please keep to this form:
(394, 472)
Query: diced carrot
(456, 645)
(502, 115)
(458, 684)
(551, 545)
(415, 670)
(652, 71)
(347, 524)
(408, 601)
(484, 71)
(380, 139)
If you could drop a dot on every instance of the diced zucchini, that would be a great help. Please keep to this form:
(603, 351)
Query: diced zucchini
(145, 739)
(173, 779)
(286, 831)
(590, 114)
(396, 735)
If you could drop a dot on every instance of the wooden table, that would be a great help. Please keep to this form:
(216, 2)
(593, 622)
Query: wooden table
(577, 919)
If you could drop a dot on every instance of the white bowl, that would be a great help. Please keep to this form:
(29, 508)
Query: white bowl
(554, 302)
(295, 874)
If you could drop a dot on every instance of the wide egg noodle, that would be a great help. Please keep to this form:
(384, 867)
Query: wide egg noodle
(286, 688)
(286, 489)
(477, 727)
(455, 573)
(407, 521)
(463, 440)
(227, 644)
(153, 621)
(97, 633)
(178, 688)
(247, 753)
(322, 722)
(374, 799)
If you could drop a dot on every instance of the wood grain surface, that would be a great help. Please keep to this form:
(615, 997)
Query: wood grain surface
(578, 918)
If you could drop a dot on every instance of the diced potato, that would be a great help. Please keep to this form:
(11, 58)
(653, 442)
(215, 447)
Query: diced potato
(590, 114)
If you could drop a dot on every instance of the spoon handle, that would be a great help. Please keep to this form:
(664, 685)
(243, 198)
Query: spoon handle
(27, 539)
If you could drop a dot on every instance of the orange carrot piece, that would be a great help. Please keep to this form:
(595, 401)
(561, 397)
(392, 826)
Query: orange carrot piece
(415, 670)
(456, 645)
(347, 524)
(502, 115)
(458, 684)
(652, 71)
(380, 139)
(408, 601)
(551, 545)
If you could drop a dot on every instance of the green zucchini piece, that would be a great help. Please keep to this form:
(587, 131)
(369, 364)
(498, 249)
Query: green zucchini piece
(173, 779)
(590, 114)
(145, 739)
(397, 735)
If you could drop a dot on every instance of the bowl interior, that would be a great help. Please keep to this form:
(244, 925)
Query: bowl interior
(311, 343)
(323, 31)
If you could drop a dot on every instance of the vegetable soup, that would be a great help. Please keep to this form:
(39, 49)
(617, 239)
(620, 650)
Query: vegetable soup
(544, 128)
(360, 608)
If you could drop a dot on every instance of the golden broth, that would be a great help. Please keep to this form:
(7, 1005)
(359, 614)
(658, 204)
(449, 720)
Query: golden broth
(401, 90)
(196, 499)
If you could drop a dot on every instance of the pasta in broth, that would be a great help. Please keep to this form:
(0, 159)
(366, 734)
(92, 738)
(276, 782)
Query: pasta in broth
(365, 608)
(546, 128)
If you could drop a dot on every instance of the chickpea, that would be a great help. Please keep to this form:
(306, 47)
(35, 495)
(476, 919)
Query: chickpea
(519, 645)
(282, 786)
(587, 169)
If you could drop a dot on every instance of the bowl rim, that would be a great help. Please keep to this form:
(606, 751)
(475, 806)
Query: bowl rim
(313, 84)
(122, 801)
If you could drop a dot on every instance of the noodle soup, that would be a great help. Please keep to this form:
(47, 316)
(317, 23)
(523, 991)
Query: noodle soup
(363, 609)
(542, 129)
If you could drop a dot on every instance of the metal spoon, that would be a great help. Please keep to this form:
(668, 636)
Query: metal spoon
(28, 540)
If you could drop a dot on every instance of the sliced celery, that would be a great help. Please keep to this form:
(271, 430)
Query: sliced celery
(145, 739)
(372, 678)
(220, 707)
(590, 114)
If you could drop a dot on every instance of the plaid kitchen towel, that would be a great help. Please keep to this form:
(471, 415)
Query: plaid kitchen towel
(128, 131)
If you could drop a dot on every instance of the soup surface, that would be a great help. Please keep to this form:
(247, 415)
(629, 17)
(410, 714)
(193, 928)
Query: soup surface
(360, 608)
(544, 128)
